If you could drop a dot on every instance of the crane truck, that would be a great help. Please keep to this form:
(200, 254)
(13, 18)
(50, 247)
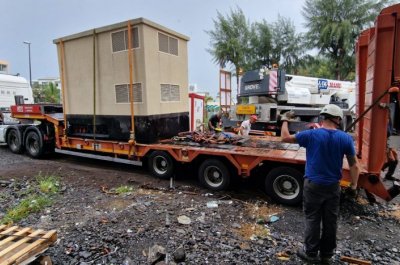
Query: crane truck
(268, 93)
(53, 128)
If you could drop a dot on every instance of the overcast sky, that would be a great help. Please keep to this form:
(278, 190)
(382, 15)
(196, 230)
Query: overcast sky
(42, 21)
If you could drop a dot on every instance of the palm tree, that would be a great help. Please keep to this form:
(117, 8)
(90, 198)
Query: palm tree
(261, 47)
(287, 45)
(230, 40)
(333, 26)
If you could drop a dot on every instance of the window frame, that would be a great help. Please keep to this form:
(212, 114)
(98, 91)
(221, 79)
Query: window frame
(127, 88)
(169, 43)
(125, 30)
(170, 101)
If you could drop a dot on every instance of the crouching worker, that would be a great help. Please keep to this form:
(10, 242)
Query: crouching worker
(215, 122)
(325, 150)
(245, 126)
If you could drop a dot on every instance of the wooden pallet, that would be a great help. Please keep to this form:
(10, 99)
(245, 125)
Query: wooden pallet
(22, 245)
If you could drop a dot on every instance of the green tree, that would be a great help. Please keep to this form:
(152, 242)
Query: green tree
(230, 40)
(47, 93)
(334, 25)
(287, 45)
(51, 93)
(260, 46)
(316, 66)
(207, 99)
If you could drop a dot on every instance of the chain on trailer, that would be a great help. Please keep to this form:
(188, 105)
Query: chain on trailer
(389, 90)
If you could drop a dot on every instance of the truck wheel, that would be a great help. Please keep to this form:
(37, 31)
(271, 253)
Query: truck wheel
(285, 185)
(33, 144)
(161, 164)
(214, 175)
(14, 142)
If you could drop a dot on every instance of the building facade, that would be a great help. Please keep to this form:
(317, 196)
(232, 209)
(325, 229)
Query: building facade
(97, 75)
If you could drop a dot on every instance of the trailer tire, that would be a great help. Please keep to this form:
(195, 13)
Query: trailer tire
(161, 164)
(214, 175)
(14, 142)
(34, 144)
(285, 185)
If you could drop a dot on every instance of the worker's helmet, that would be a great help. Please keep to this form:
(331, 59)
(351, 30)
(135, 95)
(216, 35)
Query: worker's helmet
(254, 117)
(394, 89)
(332, 110)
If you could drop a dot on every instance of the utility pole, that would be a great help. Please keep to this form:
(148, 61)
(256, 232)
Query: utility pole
(30, 69)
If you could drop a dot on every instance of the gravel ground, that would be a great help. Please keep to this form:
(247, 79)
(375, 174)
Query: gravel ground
(155, 224)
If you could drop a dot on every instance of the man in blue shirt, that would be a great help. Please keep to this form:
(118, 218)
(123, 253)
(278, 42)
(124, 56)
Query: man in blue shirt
(325, 150)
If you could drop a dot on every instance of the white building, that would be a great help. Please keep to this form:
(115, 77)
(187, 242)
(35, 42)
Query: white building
(4, 67)
(47, 80)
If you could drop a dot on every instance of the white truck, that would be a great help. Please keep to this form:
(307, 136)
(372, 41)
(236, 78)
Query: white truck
(269, 93)
(13, 90)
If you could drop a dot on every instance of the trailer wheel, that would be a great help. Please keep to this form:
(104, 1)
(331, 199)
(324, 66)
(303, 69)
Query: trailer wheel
(14, 142)
(33, 144)
(214, 175)
(161, 164)
(285, 185)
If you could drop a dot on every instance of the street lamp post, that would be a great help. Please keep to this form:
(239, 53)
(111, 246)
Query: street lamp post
(30, 69)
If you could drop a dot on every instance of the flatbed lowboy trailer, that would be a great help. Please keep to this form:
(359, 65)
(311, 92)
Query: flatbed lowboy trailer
(216, 165)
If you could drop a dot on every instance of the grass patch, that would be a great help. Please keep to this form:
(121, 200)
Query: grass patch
(248, 230)
(124, 190)
(33, 199)
(32, 204)
(48, 184)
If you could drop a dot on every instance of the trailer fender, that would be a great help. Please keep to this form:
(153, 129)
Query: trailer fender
(33, 139)
(214, 174)
(285, 185)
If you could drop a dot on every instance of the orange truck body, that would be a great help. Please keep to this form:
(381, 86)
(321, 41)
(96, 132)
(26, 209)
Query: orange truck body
(377, 70)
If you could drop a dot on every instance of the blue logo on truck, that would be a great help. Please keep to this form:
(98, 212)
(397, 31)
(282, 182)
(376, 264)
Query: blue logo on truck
(322, 84)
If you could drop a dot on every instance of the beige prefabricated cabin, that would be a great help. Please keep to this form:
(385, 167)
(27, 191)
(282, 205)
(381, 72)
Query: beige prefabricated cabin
(97, 76)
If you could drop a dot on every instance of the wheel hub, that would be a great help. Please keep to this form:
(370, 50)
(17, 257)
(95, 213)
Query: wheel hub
(213, 176)
(286, 186)
(161, 165)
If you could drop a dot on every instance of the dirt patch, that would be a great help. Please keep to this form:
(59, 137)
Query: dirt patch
(97, 226)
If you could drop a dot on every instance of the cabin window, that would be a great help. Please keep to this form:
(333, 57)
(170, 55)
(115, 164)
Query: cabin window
(167, 44)
(122, 93)
(169, 93)
(120, 40)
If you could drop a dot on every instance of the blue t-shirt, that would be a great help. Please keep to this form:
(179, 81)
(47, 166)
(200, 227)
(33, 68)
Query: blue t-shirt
(325, 150)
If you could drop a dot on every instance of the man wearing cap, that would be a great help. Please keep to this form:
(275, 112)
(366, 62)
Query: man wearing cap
(246, 125)
(325, 150)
